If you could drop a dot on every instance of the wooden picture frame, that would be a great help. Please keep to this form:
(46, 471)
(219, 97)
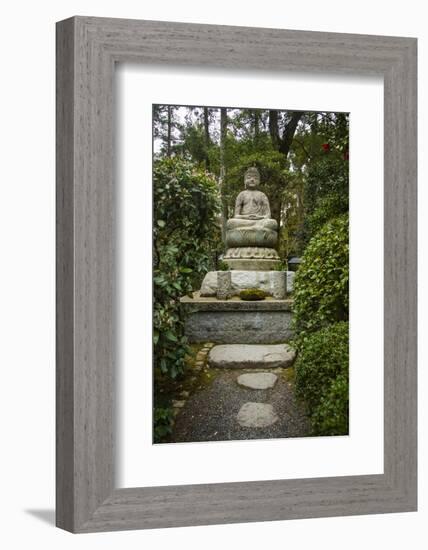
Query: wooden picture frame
(87, 50)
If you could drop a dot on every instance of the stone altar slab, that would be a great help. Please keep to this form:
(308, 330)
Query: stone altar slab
(269, 281)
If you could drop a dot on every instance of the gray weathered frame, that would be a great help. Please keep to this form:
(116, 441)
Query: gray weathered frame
(87, 50)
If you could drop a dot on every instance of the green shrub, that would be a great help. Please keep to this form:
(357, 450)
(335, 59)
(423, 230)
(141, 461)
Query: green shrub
(252, 294)
(331, 415)
(162, 422)
(186, 204)
(321, 377)
(321, 282)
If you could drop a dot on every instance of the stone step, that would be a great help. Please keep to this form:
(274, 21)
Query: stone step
(256, 415)
(257, 380)
(251, 356)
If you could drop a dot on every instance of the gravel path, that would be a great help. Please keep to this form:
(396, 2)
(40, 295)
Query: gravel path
(210, 414)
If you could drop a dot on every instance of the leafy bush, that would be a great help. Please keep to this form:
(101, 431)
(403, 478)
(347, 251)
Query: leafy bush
(321, 377)
(331, 415)
(321, 293)
(184, 228)
(252, 294)
(162, 421)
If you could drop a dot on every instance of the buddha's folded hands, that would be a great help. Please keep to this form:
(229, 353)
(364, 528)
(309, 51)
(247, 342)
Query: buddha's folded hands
(245, 223)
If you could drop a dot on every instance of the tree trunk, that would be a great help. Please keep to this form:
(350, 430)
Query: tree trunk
(273, 128)
(256, 123)
(289, 131)
(207, 137)
(222, 179)
(275, 210)
(168, 132)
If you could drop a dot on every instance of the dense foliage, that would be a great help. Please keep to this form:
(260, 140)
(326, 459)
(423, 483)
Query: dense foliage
(185, 233)
(326, 193)
(318, 186)
(331, 416)
(162, 421)
(321, 371)
(321, 294)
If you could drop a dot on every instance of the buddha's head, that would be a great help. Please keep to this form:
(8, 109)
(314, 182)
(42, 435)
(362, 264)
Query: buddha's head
(252, 178)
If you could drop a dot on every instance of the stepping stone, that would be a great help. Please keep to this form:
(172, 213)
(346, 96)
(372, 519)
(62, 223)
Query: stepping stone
(247, 356)
(257, 380)
(256, 415)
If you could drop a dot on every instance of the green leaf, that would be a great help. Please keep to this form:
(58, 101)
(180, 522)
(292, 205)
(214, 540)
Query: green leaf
(171, 336)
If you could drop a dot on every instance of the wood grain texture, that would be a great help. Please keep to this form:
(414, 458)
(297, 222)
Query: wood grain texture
(87, 49)
(64, 277)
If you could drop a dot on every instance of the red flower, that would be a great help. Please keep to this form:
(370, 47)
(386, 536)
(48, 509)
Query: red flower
(326, 147)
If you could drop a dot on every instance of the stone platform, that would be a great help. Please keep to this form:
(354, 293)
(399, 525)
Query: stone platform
(234, 321)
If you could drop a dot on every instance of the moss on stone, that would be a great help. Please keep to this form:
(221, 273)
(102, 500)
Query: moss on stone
(253, 294)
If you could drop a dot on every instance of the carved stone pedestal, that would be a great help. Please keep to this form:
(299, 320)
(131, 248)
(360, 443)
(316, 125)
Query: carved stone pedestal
(253, 265)
(248, 258)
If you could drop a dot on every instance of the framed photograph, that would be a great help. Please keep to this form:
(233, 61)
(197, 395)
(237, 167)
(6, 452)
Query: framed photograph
(236, 274)
(238, 194)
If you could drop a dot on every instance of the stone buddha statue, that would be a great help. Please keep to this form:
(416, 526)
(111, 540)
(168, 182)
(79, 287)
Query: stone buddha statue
(251, 224)
(251, 233)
